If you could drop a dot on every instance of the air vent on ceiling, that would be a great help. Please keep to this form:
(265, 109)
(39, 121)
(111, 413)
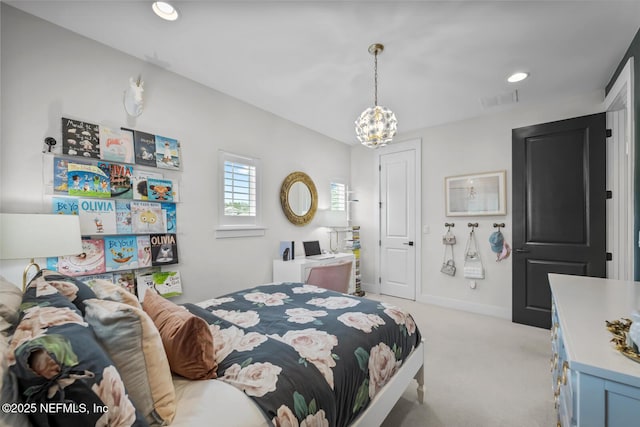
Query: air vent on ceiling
(501, 99)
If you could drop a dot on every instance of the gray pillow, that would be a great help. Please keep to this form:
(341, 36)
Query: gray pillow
(10, 300)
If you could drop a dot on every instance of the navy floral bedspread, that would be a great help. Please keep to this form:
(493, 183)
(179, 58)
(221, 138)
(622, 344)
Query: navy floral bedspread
(306, 355)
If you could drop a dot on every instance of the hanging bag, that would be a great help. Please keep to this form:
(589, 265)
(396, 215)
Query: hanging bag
(473, 268)
(448, 265)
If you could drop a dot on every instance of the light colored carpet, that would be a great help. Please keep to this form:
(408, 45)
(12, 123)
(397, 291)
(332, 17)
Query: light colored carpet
(479, 371)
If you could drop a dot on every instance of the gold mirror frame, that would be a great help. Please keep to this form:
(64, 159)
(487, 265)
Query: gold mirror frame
(291, 179)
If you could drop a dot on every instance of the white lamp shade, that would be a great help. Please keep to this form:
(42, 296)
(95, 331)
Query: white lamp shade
(25, 236)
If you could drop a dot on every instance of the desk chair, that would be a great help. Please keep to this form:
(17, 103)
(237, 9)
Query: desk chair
(335, 277)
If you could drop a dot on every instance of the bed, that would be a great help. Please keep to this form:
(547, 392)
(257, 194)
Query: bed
(286, 354)
(304, 352)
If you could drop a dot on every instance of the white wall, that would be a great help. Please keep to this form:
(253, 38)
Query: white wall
(48, 72)
(477, 145)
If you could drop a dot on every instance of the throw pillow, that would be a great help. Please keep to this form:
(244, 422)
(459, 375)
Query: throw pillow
(73, 289)
(133, 343)
(187, 339)
(112, 292)
(10, 299)
(56, 358)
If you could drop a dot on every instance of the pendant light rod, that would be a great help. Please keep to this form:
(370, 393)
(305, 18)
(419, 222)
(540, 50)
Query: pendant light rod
(374, 50)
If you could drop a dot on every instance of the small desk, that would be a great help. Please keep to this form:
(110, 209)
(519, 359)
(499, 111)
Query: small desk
(297, 270)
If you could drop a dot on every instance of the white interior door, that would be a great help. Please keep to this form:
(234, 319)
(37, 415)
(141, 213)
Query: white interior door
(399, 207)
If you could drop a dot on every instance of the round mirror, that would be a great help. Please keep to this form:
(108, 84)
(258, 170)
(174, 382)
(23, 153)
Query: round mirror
(299, 198)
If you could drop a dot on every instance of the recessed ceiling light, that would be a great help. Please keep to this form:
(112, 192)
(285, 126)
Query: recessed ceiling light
(164, 10)
(517, 77)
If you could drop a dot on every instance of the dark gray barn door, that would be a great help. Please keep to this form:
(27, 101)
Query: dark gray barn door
(559, 224)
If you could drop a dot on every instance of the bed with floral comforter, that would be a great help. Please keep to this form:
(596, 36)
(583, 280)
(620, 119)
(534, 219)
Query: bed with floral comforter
(307, 356)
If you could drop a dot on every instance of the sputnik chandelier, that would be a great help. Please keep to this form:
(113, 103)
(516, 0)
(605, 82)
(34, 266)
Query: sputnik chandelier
(377, 125)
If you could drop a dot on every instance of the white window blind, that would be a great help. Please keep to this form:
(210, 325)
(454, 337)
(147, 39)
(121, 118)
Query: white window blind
(239, 206)
(239, 189)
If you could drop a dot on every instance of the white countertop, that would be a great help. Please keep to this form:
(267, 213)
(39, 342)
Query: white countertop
(583, 304)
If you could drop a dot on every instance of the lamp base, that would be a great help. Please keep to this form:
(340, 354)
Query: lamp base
(32, 263)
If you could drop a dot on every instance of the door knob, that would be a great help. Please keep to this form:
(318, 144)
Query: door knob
(408, 243)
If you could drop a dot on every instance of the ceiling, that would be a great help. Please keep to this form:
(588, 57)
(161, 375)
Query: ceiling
(307, 61)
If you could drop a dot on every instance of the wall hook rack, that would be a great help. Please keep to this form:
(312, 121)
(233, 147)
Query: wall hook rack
(449, 225)
(498, 225)
(473, 226)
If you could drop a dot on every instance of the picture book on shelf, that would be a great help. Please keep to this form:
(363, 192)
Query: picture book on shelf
(160, 190)
(120, 252)
(140, 184)
(120, 179)
(167, 153)
(64, 205)
(164, 249)
(80, 138)
(126, 280)
(167, 283)
(97, 216)
(145, 148)
(170, 219)
(87, 180)
(90, 261)
(60, 170)
(146, 217)
(116, 145)
(123, 217)
(144, 251)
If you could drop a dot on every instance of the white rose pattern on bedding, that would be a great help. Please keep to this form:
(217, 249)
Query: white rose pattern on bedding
(361, 321)
(303, 315)
(270, 300)
(255, 379)
(233, 339)
(308, 289)
(243, 319)
(214, 302)
(334, 303)
(313, 346)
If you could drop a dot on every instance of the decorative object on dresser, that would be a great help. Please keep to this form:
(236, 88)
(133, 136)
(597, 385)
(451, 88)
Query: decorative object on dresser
(377, 125)
(30, 236)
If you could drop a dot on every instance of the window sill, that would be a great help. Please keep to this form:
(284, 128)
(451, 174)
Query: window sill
(246, 231)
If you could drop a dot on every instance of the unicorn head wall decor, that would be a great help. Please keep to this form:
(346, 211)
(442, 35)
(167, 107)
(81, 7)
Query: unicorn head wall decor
(133, 102)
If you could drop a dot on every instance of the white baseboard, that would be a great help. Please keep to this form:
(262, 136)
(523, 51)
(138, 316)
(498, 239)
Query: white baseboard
(472, 307)
(369, 287)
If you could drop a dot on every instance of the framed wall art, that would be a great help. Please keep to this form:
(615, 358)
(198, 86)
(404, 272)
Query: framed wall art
(476, 194)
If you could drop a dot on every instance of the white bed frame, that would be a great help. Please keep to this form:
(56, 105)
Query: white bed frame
(388, 396)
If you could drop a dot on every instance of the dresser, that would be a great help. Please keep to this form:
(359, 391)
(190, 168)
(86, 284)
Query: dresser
(297, 270)
(593, 384)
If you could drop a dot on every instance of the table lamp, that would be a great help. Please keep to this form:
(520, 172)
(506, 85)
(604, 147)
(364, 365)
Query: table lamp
(30, 236)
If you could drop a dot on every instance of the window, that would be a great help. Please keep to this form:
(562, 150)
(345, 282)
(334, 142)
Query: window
(338, 197)
(239, 213)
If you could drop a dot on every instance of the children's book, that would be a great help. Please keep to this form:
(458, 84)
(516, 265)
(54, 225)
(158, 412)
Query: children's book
(97, 216)
(160, 190)
(167, 153)
(121, 252)
(145, 148)
(164, 249)
(87, 181)
(116, 145)
(64, 205)
(120, 179)
(166, 283)
(146, 217)
(60, 181)
(140, 183)
(125, 279)
(90, 261)
(169, 214)
(144, 251)
(80, 138)
(123, 217)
